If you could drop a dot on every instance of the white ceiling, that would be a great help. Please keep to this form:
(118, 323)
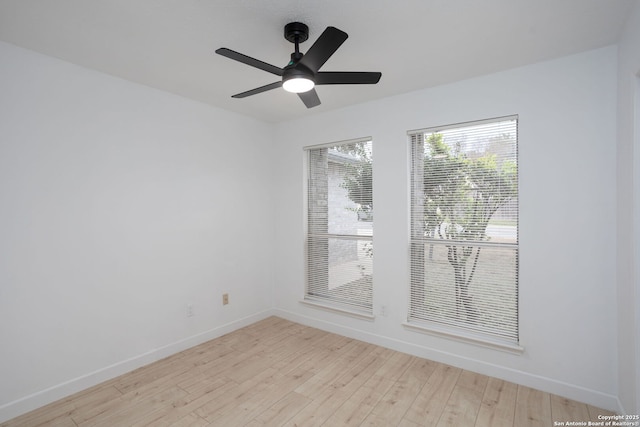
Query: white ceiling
(169, 44)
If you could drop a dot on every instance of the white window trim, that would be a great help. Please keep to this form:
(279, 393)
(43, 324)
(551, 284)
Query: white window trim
(464, 336)
(336, 308)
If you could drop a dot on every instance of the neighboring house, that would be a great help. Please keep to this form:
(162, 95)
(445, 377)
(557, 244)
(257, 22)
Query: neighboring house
(344, 215)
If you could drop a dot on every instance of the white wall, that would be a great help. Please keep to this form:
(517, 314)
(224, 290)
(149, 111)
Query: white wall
(567, 149)
(628, 211)
(120, 205)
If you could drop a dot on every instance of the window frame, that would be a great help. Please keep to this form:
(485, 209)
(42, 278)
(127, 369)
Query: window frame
(316, 301)
(431, 325)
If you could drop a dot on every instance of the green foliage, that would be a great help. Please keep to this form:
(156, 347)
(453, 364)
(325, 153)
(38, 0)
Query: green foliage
(358, 178)
(358, 183)
(461, 193)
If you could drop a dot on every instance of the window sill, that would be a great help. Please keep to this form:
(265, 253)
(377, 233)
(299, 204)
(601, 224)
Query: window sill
(358, 314)
(466, 337)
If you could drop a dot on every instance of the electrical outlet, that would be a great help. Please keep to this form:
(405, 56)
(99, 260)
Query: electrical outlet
(225, 299)
(189, 310)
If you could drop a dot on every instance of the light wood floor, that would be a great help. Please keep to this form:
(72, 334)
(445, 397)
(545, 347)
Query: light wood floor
(280, 373)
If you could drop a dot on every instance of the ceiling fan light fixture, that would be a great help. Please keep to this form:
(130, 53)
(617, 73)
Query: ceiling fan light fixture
(298, 84)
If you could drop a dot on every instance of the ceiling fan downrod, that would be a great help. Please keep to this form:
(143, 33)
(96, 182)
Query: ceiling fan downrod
(296, 33)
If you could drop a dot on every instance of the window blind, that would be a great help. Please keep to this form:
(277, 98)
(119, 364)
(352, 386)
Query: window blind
(340, 225)
(464, 228)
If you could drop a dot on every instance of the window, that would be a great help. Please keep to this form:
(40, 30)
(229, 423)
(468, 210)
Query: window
(340, 226)
(464, 230)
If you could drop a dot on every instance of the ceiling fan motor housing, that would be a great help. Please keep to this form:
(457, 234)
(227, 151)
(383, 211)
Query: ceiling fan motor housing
(297, 72)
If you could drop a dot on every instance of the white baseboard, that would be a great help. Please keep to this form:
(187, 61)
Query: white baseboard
(549, 385)
(43, 397)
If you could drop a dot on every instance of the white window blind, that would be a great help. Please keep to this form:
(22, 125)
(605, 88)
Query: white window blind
(464, 229)
(340, 225)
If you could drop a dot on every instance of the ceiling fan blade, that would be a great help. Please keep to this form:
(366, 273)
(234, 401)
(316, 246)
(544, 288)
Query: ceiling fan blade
(326, 45)
(347, 77)
(257, 90)
(231, 54)
(310, 98)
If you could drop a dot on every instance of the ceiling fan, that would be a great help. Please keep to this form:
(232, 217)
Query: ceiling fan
(302, 73)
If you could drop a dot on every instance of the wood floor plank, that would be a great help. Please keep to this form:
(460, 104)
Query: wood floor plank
(150, 373)
(289, 348)
(302, 357)
(406, 423)
(41, 416)
(86, 406)
(62, 421)
(282, 410)
(240, 392)
(564, 410)
(267, 394)
(322, 356)
(533, 408)
(472, 380)
(330, 396)
(332, 371)
(432, 399)
(498, 404)
(168, 415)
(359, 404)
(594, 412)
(399, 398)
(131, 410)
(316, 412)
(462, 407)
(280, 373)
(190, 420)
